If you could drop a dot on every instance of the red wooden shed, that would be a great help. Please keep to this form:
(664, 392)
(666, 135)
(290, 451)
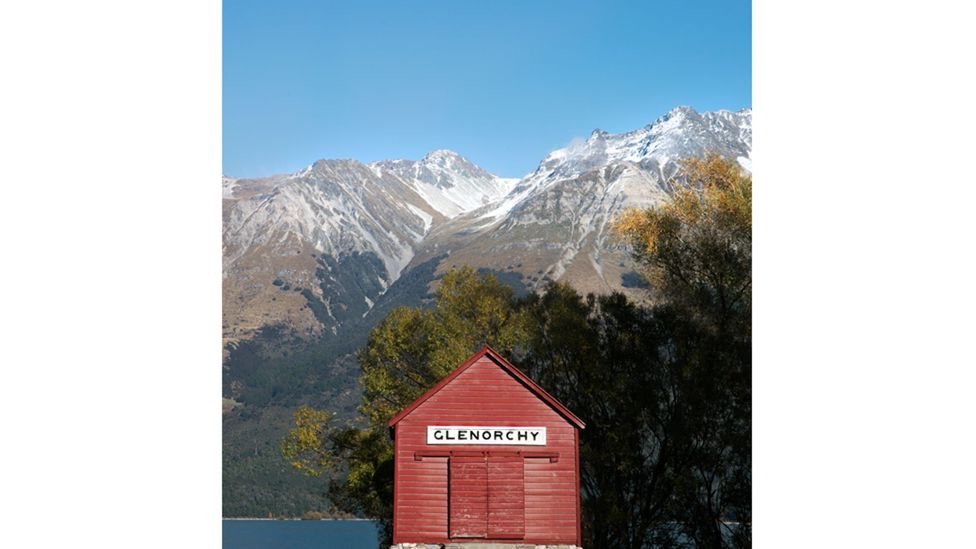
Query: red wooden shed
(486, 456)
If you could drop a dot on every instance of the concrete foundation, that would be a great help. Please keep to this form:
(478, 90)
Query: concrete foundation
(474, 545)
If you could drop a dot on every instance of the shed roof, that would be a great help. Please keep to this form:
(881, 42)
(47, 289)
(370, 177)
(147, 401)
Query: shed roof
(508, 367)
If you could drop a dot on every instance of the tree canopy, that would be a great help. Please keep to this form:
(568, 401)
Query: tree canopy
(697, 248)
(405, 354)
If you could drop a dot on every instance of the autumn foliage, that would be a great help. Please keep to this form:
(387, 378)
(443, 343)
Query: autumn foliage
(696, 249)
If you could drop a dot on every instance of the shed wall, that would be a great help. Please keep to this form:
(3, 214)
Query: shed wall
(485, 394)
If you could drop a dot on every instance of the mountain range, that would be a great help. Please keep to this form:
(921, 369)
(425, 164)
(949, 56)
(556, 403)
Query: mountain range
(314, 259)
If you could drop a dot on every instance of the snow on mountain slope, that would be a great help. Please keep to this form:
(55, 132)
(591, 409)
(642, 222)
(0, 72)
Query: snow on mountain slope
(450, 183)
(318, 247)
(338, 206)
(555, 223)
(680, 133)
(314, 250)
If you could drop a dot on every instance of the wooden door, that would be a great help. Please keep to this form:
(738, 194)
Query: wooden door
(469, 497)
(506, 497)
(487, 497)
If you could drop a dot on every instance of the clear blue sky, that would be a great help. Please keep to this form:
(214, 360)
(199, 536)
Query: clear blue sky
(500, 82)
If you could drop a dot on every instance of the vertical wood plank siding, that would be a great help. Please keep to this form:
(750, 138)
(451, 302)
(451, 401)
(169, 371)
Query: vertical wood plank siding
(468, 497)
(506, 497)
(437, 499)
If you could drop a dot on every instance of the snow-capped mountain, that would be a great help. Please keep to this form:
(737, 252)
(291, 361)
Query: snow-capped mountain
(449, 183)
(312, 251)
(681, 133)
(555, 223)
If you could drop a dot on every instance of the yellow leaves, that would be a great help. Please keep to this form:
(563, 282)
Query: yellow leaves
(641, 227)
(305, 445)
(712, 190)
(361, 474)
(697, 246)
(710, 171)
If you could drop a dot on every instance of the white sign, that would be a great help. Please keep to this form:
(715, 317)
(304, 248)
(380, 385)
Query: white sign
(516, 436)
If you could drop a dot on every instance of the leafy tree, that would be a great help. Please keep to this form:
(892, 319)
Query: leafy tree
(603, 358)
(406, 354)
(697, 248)
(697, 252)
(412, 349)
(307, 445)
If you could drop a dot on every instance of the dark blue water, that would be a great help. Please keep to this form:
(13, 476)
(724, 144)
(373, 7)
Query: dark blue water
(299, 534)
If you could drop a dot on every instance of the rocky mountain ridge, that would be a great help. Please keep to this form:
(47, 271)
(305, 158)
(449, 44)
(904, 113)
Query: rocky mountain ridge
(336, 234)
(312, 251)
(555, 223)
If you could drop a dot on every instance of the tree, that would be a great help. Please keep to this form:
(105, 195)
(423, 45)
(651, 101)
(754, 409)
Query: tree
(604, 358)
(697, 252)
(307, 445)
(697, 248)
(405, 355)
(411, 349)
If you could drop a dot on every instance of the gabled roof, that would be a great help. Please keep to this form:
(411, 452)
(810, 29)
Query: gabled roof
(508, 367)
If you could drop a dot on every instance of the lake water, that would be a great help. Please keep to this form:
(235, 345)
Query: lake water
(299, 534)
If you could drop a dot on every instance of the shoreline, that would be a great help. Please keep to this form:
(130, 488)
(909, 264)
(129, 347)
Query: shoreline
(297, 519)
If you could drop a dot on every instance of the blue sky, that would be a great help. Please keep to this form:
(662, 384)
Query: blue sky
(500, 82)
